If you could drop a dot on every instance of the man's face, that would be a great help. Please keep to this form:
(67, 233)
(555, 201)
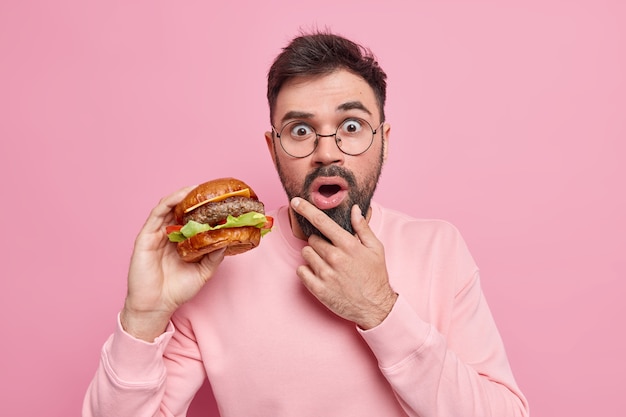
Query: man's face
(328, 178)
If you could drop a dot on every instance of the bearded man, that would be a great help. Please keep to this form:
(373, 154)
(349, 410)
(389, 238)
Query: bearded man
(346, 308)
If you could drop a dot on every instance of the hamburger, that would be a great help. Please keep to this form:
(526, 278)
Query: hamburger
(222, 213)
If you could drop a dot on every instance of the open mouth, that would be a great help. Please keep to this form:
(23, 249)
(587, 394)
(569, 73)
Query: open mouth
(328, 190)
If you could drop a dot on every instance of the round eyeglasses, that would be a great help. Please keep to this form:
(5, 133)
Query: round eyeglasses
(353, 137)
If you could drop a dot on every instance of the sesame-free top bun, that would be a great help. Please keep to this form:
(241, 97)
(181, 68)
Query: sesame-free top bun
(208, 190)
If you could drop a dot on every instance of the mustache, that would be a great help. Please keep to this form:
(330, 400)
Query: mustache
(328, 171)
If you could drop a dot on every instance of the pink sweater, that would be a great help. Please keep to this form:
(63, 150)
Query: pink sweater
(269, 348)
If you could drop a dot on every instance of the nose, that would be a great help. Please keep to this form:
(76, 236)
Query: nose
(327, 151)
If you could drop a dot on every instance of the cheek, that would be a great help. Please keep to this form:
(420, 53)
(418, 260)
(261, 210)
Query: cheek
(367, 166)
(292, 172)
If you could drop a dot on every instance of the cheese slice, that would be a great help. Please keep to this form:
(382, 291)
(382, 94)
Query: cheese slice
(239, 193)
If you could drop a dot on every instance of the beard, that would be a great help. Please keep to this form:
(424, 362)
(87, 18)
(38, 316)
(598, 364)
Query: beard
(360, 194)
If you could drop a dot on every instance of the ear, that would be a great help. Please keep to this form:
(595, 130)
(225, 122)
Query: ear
(269, 141)
(386, 133)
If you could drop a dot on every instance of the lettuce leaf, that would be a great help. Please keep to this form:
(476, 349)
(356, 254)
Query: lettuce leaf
(192, 227)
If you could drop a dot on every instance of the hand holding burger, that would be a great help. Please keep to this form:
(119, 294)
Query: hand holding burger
(222, 213)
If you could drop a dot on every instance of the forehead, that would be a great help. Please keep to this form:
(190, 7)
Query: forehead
(325, 96)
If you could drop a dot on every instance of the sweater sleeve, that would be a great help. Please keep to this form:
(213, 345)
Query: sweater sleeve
(136, 378)
(463, 373)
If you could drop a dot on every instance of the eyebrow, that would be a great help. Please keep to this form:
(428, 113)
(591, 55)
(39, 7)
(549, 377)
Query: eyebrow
(350, 105)
(295, 114)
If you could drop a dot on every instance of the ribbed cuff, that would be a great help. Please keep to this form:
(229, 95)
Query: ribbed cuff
(133, 360)
(400, 335)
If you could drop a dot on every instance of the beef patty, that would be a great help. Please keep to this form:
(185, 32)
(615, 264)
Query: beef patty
(215, 213)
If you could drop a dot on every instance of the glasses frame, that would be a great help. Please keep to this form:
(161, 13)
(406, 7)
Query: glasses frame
(319, 135)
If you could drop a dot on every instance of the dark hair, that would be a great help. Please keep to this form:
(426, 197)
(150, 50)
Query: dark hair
(321, 53)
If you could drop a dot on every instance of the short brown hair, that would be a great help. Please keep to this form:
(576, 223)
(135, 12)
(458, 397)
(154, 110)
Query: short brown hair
(321, 53)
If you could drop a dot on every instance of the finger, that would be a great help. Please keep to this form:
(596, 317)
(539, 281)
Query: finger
(320, 248)
(314, 258)
(161, 211)
(211, 261)
(318, 218)
(169, 202)
(309, 279)
(362, 228)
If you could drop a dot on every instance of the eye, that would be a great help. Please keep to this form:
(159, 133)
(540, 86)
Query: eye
(352, 126)
(301, 131)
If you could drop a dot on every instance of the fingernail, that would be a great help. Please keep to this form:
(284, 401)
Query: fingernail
(295, 202)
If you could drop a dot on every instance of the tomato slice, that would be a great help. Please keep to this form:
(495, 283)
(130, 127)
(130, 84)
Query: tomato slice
(173, 228)
(269, 223)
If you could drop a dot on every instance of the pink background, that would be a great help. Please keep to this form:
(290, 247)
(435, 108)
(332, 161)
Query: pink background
(508, 120)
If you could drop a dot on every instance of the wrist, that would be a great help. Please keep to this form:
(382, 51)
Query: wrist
(379, 312)
(145, 326)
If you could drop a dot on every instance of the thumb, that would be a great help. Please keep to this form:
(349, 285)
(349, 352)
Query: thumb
(216, 256)
(211, 261)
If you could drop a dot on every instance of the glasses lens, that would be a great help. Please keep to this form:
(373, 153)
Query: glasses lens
(298, 139)
(354, 136)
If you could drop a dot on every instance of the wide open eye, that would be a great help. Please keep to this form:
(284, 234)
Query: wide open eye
(301, 131)
(352, 127)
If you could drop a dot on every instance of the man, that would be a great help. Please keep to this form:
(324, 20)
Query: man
(345, 309)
